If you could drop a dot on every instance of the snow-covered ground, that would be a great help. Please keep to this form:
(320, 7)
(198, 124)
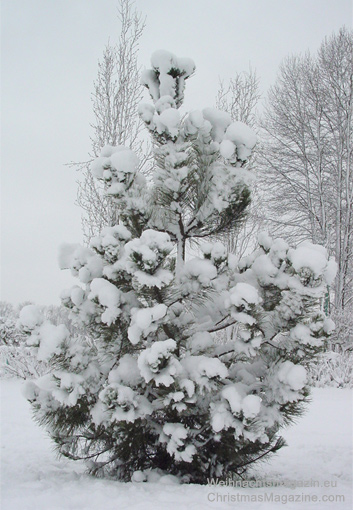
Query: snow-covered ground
(319, 453)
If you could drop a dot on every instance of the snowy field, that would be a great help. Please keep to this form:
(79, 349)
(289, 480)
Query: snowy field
(319, 453)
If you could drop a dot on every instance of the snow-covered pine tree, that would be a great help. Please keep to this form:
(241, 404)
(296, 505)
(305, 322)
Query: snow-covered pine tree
(152, 390)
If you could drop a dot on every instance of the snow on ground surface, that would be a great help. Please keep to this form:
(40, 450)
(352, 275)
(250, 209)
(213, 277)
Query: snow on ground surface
(319, 452)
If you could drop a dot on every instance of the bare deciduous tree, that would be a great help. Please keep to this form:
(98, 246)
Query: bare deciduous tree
(117, 93)
(240, 97)
(307, 156)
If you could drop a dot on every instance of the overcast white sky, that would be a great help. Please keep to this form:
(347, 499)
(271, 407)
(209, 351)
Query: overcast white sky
(49, 60)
